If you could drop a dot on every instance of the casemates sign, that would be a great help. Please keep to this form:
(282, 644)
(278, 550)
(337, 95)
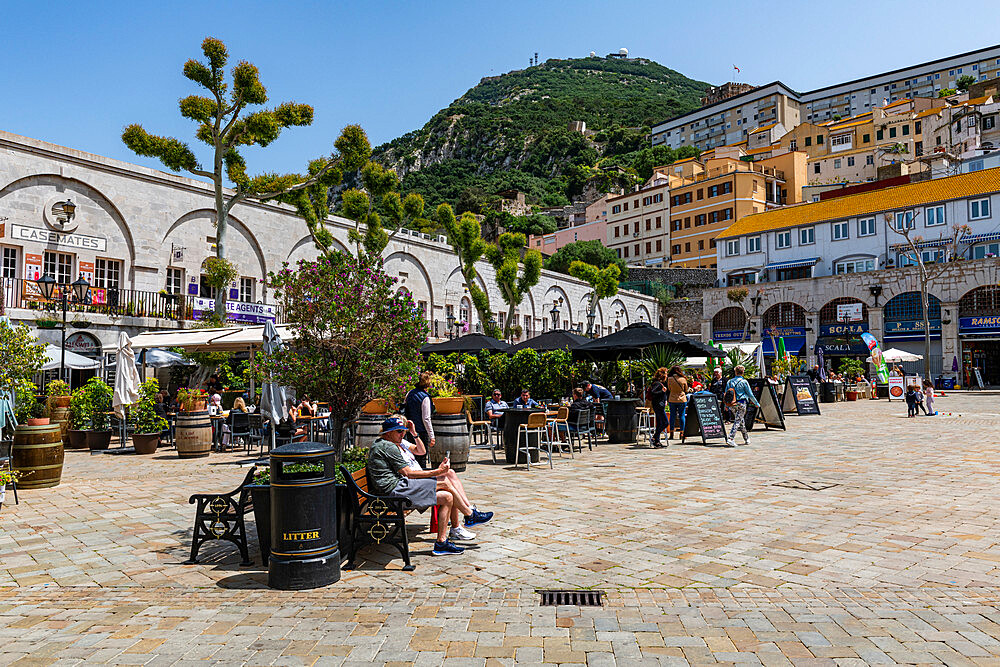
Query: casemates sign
(51, 237)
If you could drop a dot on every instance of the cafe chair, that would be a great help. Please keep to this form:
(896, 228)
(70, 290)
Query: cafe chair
(255, 424)
(239, 426)
(496, 430)
(479, 430)
(536, 426)
(556, 425)
(580, 427)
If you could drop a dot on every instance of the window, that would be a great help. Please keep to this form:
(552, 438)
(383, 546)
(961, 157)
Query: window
(978, 209)
(850, 162)
(636, 249)
(916, 127)
(649, 224)
(836, 163)
(646, 201)
(989, 122)
(657, 198)
(625, 206)
(892, 132)
(880, 134)
(906, 130)
(809, 141)
(675, 249)
(869, 159)
(866, 227)
(807, 236)
(819, 139)
(59, 265)
(701, 193)
(675, 225)
(635, 226)
(626, 251)
(854, 266)
(659, 223)
(934, 215)
(867, 138)
(720, 189)
(247, 285)
(175, 281)
(840, 140)
(659, 246)
(732, 247)
(617, 232)
(783, 239)
(976, 165)
(986, 250)
(816, 168)
(904, 220)
(8, 263)
(107, 273)
(687, 222)
(840, 231)
(793, 145)
(649, 247)
(687, 247)
(753, 244)
(701, 245)
(700, 220)
(711, 243)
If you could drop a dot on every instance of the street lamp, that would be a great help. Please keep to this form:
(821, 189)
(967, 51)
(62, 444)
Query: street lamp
(451, 325)
(875, 291)
(590, 324)
(554, 314)
(81, 289)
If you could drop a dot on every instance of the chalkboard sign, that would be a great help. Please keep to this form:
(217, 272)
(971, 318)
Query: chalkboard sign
(977, 379)
(799, 396)
(704, 417)
(769, 414)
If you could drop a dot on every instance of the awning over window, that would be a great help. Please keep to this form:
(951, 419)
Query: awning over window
(793, 263)
(836, 346)
(935, 243)
(979, 238)
(794, 345)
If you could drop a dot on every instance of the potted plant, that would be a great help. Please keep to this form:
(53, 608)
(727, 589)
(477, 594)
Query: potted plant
(6, 477)
(192, 400)
(59, 394)
(377, 406)
(39, 415)
(445, 396)
(148, 425)
(98, 405)
(79, 420)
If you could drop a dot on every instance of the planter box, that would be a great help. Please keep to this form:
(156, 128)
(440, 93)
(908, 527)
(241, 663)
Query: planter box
(451, 405)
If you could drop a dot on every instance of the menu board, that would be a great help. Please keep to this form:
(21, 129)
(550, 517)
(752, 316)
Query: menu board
(704, 417)
(896, 389)
(769, 413)
(799, 396)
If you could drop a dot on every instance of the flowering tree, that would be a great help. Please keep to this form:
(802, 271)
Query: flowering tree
(355, 337)
(21, 356)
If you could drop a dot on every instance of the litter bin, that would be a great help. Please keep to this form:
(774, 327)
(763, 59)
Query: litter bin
(827, 392)
(304, 549)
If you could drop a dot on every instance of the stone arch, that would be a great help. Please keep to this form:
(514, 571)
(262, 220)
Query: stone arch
(553, 293)
(784, 314)
(422, 290)
(642, 314)
(828, 313)
(307, 242)
(83, 189)
(982, 301)
(730, 318)
(235, 224)
(907, 306)
(619, 305)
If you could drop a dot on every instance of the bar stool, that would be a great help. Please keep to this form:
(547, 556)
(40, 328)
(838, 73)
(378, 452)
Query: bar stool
(536, 426)
(645, 424)
(560, 424)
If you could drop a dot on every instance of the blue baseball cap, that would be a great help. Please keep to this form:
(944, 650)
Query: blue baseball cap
(393, 424)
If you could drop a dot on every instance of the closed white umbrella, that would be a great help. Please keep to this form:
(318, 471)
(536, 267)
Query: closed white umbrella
(127, 378)
(272, 394)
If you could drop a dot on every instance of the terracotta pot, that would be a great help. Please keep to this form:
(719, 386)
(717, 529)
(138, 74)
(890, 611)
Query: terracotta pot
(851, 395)
(451, 405)
(59, 401)
(195, 405)
(38, 421)
(376, 406)
(76, 439)
(145, 443)
(98, 440)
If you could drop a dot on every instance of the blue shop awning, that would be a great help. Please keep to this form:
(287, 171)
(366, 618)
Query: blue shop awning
(979, 238)
(794, 345)
(838, 346)
(934, 243)
(791, 264)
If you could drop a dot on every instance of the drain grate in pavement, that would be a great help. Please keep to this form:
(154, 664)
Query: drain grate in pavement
(806, 486)
(572, 598)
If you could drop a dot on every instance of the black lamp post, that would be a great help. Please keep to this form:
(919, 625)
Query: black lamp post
(590, 324)
(554, 314)
(451, 325)
(81, 290)
(875, 291)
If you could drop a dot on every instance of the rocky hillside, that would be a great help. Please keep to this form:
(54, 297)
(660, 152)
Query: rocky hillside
(512, 130)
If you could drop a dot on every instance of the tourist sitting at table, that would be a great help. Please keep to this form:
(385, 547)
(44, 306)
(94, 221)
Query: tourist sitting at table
(215, 404)
(525, 400)
(393, 470)
(417, 407)
(306, 408)
(597, 392)
(239, 405)
(495, 408)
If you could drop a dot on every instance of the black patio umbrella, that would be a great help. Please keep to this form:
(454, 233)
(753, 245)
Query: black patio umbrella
(630, 342)
(468, 343)
(554, 339)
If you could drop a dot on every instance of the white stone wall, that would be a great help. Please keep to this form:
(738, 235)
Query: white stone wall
(142, 213)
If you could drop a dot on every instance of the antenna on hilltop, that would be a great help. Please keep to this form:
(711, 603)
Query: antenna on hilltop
(536, 57)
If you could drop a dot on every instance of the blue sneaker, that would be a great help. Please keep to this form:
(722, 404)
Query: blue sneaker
(446, 548)
(477, 518)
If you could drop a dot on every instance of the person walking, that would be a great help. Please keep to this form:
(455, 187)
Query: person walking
(929, 397)
(658, 397)
(677, 388)
(738, 394)
(911, 400)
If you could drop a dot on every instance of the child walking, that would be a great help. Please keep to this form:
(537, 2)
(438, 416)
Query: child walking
(929, 397)
(911, 400)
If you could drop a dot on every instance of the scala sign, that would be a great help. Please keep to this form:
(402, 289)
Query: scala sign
(240, 311)
(843, 329)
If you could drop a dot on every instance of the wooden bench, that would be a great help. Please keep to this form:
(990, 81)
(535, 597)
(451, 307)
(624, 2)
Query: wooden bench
(373, 519)
(220, 516)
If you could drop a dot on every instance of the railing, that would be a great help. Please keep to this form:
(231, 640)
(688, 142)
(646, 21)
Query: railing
(20, 293)
(729, 169)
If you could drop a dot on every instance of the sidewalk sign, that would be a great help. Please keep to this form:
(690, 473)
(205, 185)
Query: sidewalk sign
(799, 396)
(704, 418)
(769, 414)
(896, 388)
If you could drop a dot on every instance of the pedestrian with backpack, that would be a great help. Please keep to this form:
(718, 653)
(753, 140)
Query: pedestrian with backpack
(738, 394)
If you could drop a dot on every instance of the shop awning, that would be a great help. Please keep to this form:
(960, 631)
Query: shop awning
(221, 338)
(840, 346)
(791, 264)
(934, 243)
(793, 345)
(979, 238)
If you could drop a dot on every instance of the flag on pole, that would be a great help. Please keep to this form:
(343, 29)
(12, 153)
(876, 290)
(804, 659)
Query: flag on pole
(736, 68)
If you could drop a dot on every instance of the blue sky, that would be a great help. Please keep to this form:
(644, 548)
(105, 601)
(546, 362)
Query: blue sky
(76, 73)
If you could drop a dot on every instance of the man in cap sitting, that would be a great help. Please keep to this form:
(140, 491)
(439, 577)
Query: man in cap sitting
(393, 470)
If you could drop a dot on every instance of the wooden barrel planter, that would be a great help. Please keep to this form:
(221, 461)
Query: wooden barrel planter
(75, 439)
(38, 454)
(367, 429)
(451, 434)
(193, 434)
(60, 415)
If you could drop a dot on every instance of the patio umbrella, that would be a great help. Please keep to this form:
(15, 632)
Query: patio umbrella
(468, 343)
(554, 339)
(159, 358)
(632, 341)
(273, 396)
(73, 360)
(127, 378)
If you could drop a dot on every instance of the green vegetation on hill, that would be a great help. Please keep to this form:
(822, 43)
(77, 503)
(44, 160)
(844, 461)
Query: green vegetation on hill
(511, 131)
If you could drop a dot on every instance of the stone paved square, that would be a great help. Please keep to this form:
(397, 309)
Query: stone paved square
(702, 557)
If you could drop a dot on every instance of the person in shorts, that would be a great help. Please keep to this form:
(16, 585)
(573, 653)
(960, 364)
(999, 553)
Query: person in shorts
(393, 470)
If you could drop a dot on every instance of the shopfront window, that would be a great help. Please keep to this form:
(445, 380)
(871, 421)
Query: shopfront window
(8, 262)
(246, 289)
(107, 273)
(175, 281)
(59, 265)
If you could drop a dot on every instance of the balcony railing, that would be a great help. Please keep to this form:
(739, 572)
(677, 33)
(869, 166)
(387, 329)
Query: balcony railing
(20, 293)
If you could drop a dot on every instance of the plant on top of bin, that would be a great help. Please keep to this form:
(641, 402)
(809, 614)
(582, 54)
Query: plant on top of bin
(192, 399)
(355, 337)
(57, 388)
(144, 412)
(354, 459)
(21, 357)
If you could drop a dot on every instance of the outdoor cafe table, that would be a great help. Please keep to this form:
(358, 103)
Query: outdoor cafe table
(621, 421)
(514, 417)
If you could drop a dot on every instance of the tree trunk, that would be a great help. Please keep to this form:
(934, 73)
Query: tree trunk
(927, 328)
(221, 224)
(338, 435)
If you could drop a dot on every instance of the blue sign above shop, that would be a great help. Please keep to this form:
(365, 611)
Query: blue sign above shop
(843, 329)
(910, 326)
(986, 324)
(729, 335)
